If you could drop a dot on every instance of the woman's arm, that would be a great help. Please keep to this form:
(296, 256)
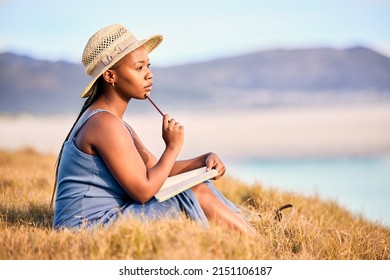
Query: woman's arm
(111, 140)
(210, 160)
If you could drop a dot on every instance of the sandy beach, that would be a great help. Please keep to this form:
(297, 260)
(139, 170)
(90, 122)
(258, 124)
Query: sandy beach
(353, 130)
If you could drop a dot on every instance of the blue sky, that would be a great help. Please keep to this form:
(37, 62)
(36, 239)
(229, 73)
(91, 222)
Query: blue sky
(194, 30)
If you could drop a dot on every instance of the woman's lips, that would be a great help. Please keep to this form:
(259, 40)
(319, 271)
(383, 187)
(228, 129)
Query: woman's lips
(148, 87)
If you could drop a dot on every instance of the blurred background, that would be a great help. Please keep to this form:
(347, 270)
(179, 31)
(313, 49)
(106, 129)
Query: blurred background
(291, 94)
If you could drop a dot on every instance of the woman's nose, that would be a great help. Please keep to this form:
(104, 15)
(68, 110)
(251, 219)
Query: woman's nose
(149, 75)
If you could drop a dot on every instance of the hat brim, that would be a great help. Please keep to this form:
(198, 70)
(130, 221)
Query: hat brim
(150, 44)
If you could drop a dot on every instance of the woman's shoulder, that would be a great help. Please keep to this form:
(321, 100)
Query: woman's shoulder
(102, 131)
(105, 121)
(102, 125)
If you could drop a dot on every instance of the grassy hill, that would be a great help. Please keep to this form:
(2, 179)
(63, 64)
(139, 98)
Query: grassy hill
(317, 230)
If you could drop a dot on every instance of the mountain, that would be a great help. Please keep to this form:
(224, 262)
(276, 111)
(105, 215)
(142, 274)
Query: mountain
(258, 79)
(36, 86)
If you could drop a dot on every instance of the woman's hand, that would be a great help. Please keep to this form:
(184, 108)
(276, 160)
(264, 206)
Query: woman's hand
(172, 133)
(214, 162)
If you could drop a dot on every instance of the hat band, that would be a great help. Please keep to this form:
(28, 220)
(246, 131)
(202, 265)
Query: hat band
(108, 58)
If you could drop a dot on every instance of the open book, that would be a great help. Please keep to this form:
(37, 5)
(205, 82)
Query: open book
(178, 183)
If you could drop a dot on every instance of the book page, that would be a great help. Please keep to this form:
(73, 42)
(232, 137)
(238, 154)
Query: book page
(181, 182)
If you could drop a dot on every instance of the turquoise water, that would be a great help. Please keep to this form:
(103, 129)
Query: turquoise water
(362, 185)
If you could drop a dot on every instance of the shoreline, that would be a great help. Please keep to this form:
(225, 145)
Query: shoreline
(327, 131)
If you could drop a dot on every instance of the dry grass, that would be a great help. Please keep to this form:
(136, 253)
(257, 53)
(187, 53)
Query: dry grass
(317, 230)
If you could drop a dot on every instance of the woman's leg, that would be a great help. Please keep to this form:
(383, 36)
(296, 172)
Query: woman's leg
(218, 212)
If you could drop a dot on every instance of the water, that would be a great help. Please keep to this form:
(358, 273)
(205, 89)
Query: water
(361, 185)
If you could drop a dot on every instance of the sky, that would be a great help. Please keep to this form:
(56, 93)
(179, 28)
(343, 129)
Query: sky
(194, 30)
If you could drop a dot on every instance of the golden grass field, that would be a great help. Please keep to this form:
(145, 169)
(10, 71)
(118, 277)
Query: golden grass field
(318, 230)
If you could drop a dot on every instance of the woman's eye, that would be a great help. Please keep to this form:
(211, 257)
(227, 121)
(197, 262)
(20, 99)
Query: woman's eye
(142, 66)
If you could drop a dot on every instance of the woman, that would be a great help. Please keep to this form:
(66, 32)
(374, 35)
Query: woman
(104, 171)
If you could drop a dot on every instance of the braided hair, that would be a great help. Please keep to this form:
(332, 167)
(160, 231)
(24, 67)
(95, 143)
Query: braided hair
(98, 87)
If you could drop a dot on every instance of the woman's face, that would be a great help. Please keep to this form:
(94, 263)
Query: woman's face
(133, 76)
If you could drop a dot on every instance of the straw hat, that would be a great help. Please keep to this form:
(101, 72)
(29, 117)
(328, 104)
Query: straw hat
(106, 47)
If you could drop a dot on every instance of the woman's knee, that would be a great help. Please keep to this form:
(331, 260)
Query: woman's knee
(201, 189)
(203, 193)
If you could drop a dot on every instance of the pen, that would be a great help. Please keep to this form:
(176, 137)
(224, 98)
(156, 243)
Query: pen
(155, 106)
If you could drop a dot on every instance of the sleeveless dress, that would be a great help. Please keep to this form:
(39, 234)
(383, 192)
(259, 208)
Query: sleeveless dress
(88, 195)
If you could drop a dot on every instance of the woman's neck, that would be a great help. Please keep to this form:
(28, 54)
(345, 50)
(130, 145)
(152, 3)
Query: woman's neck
(111, 102)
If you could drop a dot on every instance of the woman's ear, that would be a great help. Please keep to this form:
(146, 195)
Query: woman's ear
(109, 76)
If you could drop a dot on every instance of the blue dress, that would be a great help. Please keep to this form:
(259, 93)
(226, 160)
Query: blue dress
(88, 195)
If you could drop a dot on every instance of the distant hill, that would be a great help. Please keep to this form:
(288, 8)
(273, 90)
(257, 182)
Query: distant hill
(37, 86)
(266, 78)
